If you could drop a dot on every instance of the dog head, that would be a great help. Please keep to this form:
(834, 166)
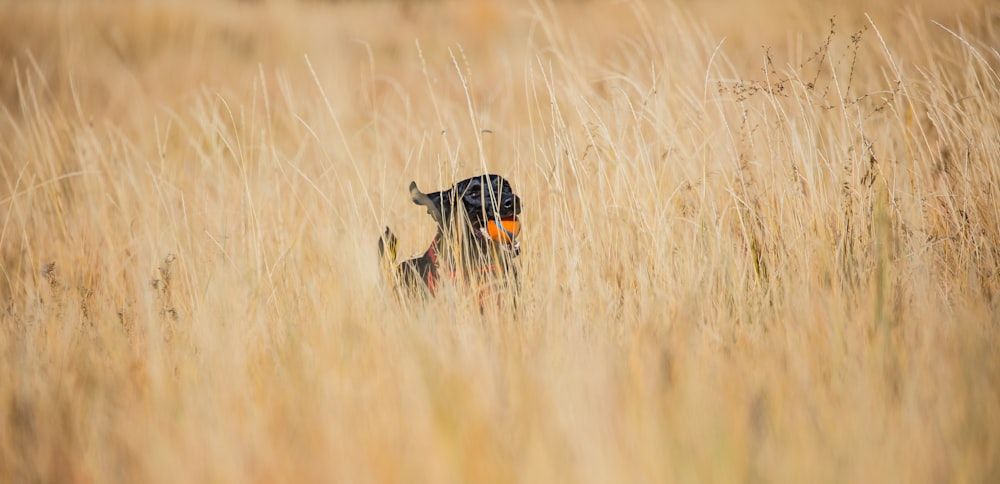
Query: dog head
(471, 204)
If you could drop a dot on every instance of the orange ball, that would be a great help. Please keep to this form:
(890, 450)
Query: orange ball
(506, 231)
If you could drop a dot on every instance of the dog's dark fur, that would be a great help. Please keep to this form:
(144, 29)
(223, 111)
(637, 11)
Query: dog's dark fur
(461, 246)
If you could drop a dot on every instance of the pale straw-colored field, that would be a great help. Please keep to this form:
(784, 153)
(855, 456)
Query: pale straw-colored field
(761, 241)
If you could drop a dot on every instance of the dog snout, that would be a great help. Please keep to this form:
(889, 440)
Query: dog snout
(511, 205)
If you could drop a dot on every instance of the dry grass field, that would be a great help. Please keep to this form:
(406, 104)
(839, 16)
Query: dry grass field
(761, 241)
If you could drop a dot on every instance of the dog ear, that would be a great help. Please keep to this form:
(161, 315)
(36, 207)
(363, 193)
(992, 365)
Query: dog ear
(438, 203)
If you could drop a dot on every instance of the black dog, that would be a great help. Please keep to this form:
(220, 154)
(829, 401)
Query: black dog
(463, 245)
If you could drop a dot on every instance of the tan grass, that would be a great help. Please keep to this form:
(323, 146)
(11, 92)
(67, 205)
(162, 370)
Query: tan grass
(758, 246)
